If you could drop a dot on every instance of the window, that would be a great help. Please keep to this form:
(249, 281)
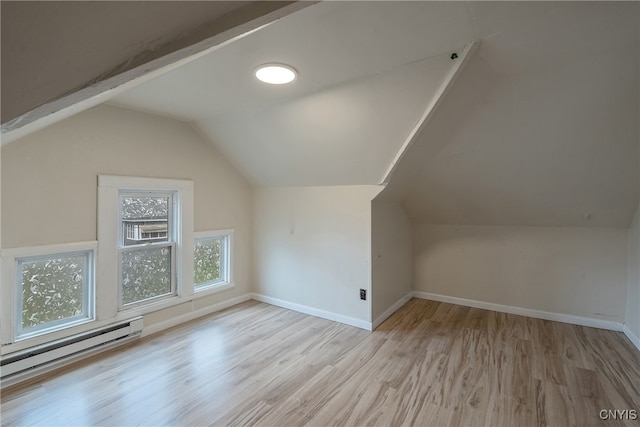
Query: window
(147, 246)
(142, 262)
(211, 256)
(50, 288)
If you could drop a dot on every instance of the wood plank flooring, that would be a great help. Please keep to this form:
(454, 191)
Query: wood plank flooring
(430, 364)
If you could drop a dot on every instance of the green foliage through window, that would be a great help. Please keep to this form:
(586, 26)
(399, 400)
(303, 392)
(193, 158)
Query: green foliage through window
(53, 289)
(146, 273)
(208, 258)
(147, 246)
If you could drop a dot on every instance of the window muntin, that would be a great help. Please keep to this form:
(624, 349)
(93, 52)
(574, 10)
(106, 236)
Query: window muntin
(147, 247)
(211, 256)
(53, 292)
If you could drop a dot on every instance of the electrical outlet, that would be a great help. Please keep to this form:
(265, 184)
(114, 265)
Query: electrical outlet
(363, 294)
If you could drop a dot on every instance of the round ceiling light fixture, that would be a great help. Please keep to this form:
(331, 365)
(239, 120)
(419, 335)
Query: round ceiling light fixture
(275, 74)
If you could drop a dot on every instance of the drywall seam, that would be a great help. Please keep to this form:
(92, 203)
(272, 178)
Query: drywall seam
(314, 312)
(632, 337)
(175, 321)
(384, 316)
(437, 98)
(536, 314)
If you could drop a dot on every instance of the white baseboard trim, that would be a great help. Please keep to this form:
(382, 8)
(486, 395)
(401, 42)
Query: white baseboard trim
(314, 312)
(632, 337)
(175, 321)
(384, 316)
(537, 314)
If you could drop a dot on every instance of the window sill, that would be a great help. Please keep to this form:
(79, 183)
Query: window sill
(48, 331)
(139, 310)
(212, 289)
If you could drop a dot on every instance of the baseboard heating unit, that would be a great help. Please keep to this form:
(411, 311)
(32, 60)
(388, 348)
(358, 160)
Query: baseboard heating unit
(19, 366)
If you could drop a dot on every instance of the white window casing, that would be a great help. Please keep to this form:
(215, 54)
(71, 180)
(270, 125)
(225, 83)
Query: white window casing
(226, 279)
(103, 297)
(110, 188)
(13, 337)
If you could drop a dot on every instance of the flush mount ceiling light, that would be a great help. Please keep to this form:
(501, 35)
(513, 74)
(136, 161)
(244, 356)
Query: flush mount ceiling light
(275, 74)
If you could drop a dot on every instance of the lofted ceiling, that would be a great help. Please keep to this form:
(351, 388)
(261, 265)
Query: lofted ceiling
(539, 128)
(362, 86)
(54, 34)
(62, 57)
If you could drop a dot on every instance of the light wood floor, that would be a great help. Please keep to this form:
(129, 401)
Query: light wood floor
(430, 364)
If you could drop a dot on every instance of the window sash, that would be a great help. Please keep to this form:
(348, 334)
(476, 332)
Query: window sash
(224, 262)
(170, 242)
(171, 233)
(88, 292)
(172, 274)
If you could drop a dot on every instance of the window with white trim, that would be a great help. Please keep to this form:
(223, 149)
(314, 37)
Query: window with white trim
(52, 288)
(145, 245)
(212, 260)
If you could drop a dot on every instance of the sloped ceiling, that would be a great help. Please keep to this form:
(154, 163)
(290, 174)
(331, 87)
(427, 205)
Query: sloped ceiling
(346, 134)
(62, 57)
(540, 128)
(362, 86)
(52, 34)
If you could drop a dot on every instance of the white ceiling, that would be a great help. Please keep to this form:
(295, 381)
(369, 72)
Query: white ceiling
(542, 126)
(75, 42)
(540, 129)
(354, 70)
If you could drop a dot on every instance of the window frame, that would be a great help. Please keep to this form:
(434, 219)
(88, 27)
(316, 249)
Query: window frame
(110, 187)
(88, 286)
(171, 243)
(227, 281)
(11, 317)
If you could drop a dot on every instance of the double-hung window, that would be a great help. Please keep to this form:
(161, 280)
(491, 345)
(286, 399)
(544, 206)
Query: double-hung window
(147, 247)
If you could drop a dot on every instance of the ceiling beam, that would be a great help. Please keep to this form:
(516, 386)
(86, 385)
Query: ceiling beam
(152, 63)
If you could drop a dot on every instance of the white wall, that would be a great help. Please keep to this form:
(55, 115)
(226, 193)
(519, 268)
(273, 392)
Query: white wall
(633, 297)
(575, 271)
(313, 248)
(49, 184)
(633, 292)
(391, 258)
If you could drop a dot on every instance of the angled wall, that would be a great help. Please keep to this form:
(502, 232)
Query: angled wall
(521, 188)
(391, 259)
